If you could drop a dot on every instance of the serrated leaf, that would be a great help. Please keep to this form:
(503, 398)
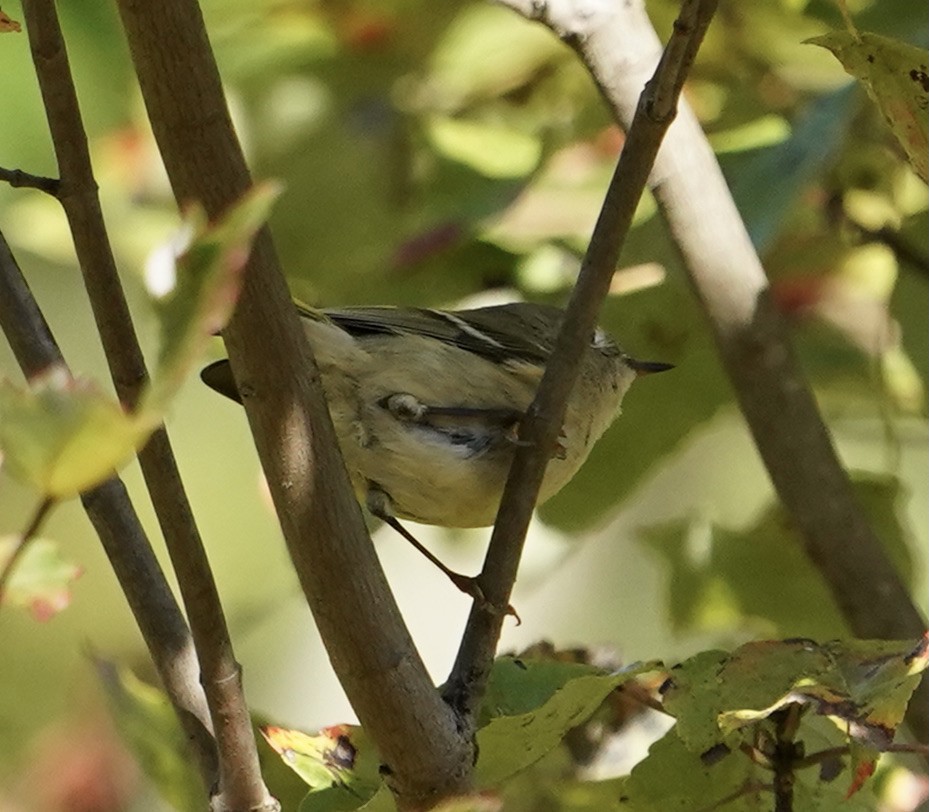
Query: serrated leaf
(896, 76)
(197, 291)
(531, 704)
(147, 723)
(64, 435)
(41, 579)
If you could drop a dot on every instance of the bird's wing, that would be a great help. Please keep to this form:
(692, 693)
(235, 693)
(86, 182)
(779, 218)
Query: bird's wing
(499, 333)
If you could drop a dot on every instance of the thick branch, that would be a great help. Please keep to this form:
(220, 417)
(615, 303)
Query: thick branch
(619, 47)
(539, 429)
(143, 583)
(240, 786)
(370, 647)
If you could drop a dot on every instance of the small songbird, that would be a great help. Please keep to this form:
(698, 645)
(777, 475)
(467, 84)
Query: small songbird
(426, 403)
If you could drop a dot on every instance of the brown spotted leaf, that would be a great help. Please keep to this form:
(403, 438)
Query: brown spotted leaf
(896, 76)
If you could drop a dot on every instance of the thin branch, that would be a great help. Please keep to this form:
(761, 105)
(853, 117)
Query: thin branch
(19, 179)
(618, 45)
(784, 756)
(426, 757)
(130, 554)
(539, 429)
(240, 783)
(22, 542)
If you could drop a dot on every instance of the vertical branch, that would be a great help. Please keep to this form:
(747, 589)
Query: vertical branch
(140, 577)
(426, 757)
(539, 429)
(240, 785)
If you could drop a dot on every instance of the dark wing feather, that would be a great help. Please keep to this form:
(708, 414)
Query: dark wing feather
(521, 330)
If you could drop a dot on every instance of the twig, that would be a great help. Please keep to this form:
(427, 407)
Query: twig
(618, 45)
(784, 756)
(22, 542)
(17, 178)
(539, 429)
(426, 756)
(240, 784)
(130, 554)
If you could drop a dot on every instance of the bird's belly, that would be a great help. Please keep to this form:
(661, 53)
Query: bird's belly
(450, 478)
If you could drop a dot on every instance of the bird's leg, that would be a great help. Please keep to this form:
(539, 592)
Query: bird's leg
(378, 503)
(380, 506)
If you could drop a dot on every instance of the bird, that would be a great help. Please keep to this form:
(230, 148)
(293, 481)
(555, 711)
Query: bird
(426, 404)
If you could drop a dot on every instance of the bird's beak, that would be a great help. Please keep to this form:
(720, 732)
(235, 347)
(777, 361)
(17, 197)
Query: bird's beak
(647, 367)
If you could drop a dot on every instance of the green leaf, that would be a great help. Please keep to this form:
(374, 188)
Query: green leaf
(63, 435)
(338, 763)
(41, 579)
(147, 723)
(721, 578)
(492, 150)
(487, 52)
(531, 704)
(197, 291)
(760, 577)
(383, 801)
(896, 76)
(720, 698)
(672, 778)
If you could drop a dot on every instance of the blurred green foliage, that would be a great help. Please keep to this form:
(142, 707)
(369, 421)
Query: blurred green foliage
(437, 151)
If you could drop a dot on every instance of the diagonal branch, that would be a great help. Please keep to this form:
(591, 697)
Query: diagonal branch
(539, 429)
(140, 577)
(426, 757)
(618, 45)
(240, 784)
